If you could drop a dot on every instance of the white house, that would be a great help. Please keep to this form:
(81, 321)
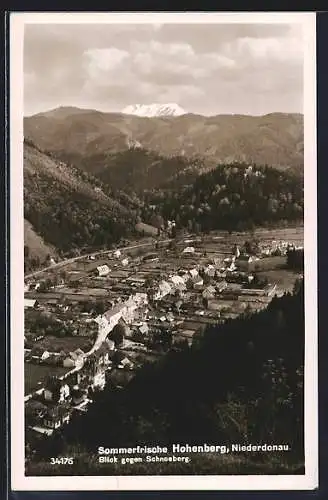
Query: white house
(126, 363)
(30, 303)
(178, 282)
(232, 267)
(188, 250)
(117, 254)
(125, 262)
(103, 270)
(193, 273)
(45, 355)
(164, 288)
(144, 329)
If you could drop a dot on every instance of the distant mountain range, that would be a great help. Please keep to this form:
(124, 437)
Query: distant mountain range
(275, 139)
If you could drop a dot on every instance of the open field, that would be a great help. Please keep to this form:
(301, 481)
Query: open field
(284, 278)
(67, 344)
(35, 375)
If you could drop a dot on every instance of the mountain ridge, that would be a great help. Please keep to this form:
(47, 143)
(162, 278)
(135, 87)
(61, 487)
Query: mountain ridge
(275, 139)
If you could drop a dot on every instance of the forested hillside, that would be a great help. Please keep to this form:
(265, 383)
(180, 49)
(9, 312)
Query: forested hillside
(231, 197)
(67, 207)
(137, 169)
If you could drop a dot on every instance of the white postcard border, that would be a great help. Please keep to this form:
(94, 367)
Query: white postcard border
(254, 482)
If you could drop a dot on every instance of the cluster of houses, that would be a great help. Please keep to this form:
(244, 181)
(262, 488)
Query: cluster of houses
(51, 407)
(278, 248)
(128, 311)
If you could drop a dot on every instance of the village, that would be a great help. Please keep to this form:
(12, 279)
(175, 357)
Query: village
(93, 322)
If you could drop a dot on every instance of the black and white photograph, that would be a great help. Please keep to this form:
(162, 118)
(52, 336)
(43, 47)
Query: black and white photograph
(163, 251)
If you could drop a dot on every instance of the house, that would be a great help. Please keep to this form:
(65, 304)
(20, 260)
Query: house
(209, 292)
(125, 262)
(135, 280)
(151, 257)
(103, 270)
(144, 329)
(189, 250)
(126, 363)
(178, 283)
(210, 271)
(197, 282)
(56, 390)
(232, 267)
(30, 304)
(117, 254)
(45, 355)
(74, 359)
(164, 288)
(221, 286)
(56, 417)
(193, 272)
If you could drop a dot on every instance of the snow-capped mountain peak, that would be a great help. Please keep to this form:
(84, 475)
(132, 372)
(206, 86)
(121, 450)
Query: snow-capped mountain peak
(149, 110)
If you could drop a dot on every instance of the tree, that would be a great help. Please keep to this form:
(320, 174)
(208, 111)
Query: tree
(117, 334)
(205, 302)
(157, 221)
(251, 247)
(174, 232)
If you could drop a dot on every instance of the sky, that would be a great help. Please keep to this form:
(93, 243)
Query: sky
(205, 68)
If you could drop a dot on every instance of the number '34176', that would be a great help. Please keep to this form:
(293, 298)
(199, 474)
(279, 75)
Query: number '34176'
(61, 460)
